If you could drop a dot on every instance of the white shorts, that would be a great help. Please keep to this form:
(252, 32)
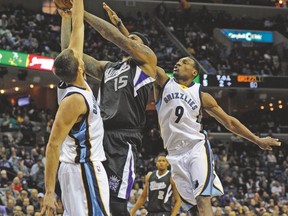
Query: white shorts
(85, 189)
(194, 174)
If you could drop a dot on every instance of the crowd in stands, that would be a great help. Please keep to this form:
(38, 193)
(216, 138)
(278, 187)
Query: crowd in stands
(195, 30)
(26, 31)
(255, 181)
(34, 32)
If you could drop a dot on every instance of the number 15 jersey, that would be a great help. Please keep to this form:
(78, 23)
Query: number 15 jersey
(179, 112)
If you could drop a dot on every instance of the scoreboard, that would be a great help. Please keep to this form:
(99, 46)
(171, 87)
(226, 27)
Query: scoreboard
(243, 81)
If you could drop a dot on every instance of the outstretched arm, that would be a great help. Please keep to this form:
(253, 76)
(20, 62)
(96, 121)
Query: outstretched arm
(93, 67)
(234, 125)
(141, 53)
(116, 20)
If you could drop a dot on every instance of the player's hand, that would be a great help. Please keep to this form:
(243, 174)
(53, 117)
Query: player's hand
(112, 15)
(266, 143)
(49, 205)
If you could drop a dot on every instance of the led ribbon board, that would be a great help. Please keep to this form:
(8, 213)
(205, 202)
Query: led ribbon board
(25, 60)
(248, 36)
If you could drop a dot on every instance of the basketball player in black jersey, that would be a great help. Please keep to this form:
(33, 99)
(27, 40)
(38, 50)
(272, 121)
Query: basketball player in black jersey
(123, 97)
(159, 188)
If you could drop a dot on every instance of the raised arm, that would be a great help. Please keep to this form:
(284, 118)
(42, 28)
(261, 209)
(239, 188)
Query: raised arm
(142, 54)
(77, 35)
(234, 125)
(66, 28)
(93, 67)
(116, 20)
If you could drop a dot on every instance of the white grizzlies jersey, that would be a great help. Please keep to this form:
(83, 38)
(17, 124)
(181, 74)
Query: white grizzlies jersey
(84, 142)
(179, 113)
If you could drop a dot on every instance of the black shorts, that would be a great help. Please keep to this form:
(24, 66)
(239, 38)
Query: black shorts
(121, 152)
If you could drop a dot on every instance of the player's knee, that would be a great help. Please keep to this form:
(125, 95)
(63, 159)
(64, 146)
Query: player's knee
(203, 202)
(118, 207)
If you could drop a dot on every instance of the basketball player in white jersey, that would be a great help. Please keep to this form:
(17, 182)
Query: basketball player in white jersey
(179, 104)
(76, 138)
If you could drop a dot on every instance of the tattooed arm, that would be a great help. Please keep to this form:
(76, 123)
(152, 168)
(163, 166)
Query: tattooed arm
(142, 54)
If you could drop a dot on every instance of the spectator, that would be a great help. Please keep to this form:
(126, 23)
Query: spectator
(9, 124)
(18, 211)
(3, 21)
(30, 210)
(16, 184)
(34, 200)
(26, 128)
(4, 179)
(25, 204)
(10, 206)
(37, 174)
(3, 210)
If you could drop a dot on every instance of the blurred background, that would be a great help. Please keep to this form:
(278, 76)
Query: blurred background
(242, 50)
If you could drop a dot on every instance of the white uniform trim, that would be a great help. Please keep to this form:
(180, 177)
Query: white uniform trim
(85, 139)
(179, 113)
(189, 153)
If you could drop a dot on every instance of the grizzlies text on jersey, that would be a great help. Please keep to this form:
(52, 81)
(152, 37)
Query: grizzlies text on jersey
(179, 113)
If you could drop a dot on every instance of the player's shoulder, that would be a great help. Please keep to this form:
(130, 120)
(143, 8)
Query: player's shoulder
(149, 174)
(74, 98)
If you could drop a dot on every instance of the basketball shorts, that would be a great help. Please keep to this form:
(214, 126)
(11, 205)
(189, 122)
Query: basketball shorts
(85, 189)
(193, 172)
(121, 154)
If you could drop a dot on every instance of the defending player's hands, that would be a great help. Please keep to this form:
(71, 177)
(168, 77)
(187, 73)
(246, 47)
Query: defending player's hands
(49, 205)
(266, 143)
(112, 15)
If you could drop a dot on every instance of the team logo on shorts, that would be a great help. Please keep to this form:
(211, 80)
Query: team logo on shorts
(114, 182)
(98, 168)
(195, 184)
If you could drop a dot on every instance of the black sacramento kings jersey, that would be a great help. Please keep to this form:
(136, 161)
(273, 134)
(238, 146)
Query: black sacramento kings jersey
(123, 95)
(159, 193)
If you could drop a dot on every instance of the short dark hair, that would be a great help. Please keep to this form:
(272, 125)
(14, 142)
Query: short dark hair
(66, 66)
(196, 64)
(143, 38)
(161, 154)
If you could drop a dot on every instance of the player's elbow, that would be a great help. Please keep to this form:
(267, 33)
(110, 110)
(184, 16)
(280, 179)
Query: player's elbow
(53, 145)
(231, 124)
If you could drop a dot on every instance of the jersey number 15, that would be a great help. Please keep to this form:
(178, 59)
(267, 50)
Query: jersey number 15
(120, 82)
